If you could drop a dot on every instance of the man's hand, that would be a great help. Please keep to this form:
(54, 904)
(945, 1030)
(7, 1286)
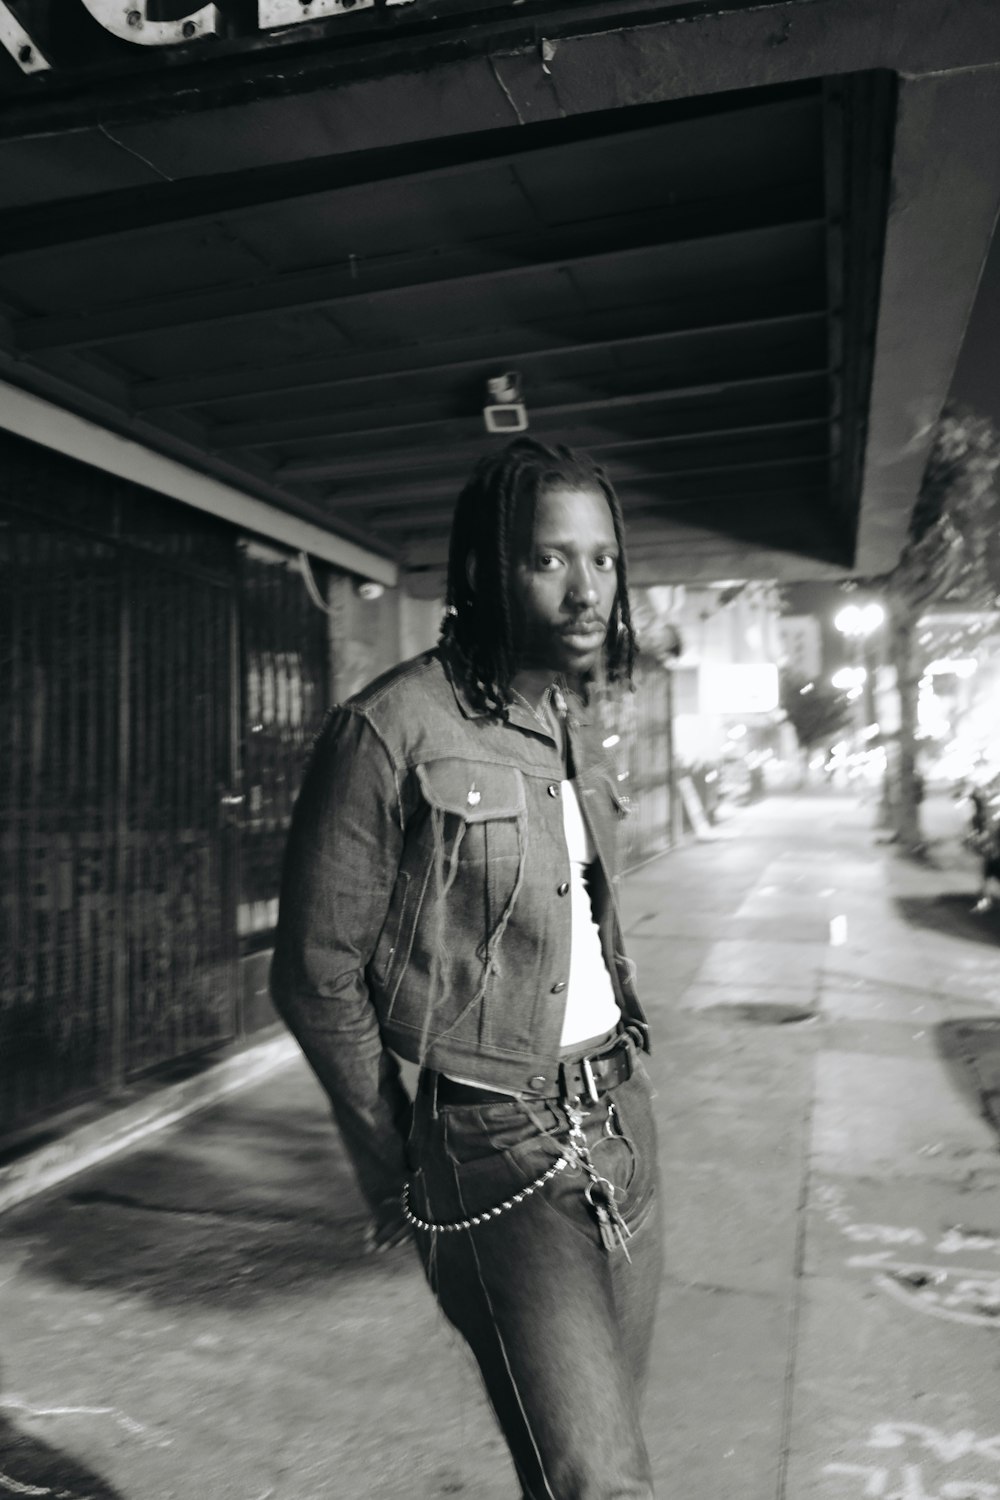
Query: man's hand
(390, 1227)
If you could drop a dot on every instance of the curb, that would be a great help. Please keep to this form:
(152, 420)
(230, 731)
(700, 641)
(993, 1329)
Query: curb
(120, 1128)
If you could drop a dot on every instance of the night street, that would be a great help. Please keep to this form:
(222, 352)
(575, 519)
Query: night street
(199, 1318)
(453, 453)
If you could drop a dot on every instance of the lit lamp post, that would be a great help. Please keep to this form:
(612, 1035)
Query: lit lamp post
(858, 623)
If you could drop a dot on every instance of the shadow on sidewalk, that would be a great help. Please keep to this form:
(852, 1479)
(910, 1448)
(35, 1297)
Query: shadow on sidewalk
(245, 1205)
(30, 1466)
(950, 912)
(970, 1050)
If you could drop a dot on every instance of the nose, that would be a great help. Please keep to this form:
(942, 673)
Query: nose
(582, 591)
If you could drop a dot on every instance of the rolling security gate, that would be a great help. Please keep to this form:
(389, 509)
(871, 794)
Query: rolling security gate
(284, 669)
(117, 857)
(177, 844)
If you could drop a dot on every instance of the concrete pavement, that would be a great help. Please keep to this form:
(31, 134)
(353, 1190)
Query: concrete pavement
(199, 1317)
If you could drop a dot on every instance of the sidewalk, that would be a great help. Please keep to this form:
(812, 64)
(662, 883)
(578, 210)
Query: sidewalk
(197, 1318)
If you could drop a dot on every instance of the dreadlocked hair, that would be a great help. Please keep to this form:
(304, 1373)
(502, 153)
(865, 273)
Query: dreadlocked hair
(478, 624)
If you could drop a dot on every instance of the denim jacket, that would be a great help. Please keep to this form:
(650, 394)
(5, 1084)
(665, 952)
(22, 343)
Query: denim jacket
(424, 907)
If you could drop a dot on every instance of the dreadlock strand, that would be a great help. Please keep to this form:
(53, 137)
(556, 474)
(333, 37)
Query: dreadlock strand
(506, 501)
(623, 649)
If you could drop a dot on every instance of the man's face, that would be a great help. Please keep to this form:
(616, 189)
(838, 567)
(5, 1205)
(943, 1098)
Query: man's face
(563, 580)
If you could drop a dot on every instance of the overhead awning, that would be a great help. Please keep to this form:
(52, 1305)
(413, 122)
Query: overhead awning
(731, 255)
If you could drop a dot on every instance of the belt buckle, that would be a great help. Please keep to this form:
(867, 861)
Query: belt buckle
(590, 1082)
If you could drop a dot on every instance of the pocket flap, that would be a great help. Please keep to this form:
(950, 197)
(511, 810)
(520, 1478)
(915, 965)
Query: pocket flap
(471, 790)
(621, 799)
(612, 784)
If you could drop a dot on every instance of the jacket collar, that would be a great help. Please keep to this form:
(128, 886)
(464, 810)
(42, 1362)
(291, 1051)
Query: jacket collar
(523, 718)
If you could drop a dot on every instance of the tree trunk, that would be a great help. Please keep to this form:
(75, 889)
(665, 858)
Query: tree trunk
(905, 801)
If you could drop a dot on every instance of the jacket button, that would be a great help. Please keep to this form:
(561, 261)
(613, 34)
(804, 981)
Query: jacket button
(538, 1082)
(559, 986)
(562, 889)
(553, 788)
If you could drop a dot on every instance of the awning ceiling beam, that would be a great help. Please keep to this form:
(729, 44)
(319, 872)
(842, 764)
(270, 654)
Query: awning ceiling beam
(466, 454)
(192, 200)
(355, 371)
(808, 492)
(415, 498)
(303, 429)
(753, 223)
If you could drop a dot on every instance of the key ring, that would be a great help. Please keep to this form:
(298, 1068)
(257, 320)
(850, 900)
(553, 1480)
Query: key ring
(607, 1189)
(607, 1140)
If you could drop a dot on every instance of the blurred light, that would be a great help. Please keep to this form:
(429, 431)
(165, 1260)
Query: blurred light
(932, 720)
(871, 732)
(807, 689)
(737, 732)
(732, 688)
(859, 619)
(849, 677)
(854, 695)
(957, 666)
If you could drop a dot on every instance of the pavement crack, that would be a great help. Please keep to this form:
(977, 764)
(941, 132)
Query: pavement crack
(27, 1409)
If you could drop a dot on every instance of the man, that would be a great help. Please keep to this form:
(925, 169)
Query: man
(985, 839)
(449, 895)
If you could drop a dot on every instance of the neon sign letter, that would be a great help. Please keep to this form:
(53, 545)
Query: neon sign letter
(22, 48)
(291, 12)
(127, 19)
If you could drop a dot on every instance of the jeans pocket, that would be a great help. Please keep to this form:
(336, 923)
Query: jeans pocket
(478, 1132)
(634, 1112)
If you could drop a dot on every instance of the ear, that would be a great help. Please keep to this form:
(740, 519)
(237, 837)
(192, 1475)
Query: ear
(470, 572)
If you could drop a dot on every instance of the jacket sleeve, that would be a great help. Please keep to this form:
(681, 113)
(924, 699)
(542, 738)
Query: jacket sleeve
(341, 863)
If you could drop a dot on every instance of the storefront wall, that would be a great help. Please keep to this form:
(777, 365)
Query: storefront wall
(161, 680)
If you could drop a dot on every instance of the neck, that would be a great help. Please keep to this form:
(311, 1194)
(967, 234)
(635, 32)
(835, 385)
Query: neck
(532, 683)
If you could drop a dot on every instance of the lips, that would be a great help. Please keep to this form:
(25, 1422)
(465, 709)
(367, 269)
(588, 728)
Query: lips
(584, 629)
(584, 637)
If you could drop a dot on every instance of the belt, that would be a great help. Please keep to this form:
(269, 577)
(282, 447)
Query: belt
(583, 1078)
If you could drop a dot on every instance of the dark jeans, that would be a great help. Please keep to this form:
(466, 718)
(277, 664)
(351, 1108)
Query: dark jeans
(561, 1329)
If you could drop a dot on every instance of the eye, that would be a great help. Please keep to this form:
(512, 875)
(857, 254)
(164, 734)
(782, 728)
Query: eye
(606, 561)
(548, 562)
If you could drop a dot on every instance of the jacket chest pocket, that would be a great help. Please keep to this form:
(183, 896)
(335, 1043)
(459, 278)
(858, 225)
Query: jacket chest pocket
(473, 840)
(475, 811)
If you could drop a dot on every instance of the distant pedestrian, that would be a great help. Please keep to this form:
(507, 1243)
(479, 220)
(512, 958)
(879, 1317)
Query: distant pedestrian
(985, 840)
(449, 893)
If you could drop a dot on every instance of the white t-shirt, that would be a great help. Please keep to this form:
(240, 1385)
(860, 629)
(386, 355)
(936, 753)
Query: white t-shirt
(591, 1007)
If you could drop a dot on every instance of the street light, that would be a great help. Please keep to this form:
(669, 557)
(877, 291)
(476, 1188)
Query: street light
(857, 621)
